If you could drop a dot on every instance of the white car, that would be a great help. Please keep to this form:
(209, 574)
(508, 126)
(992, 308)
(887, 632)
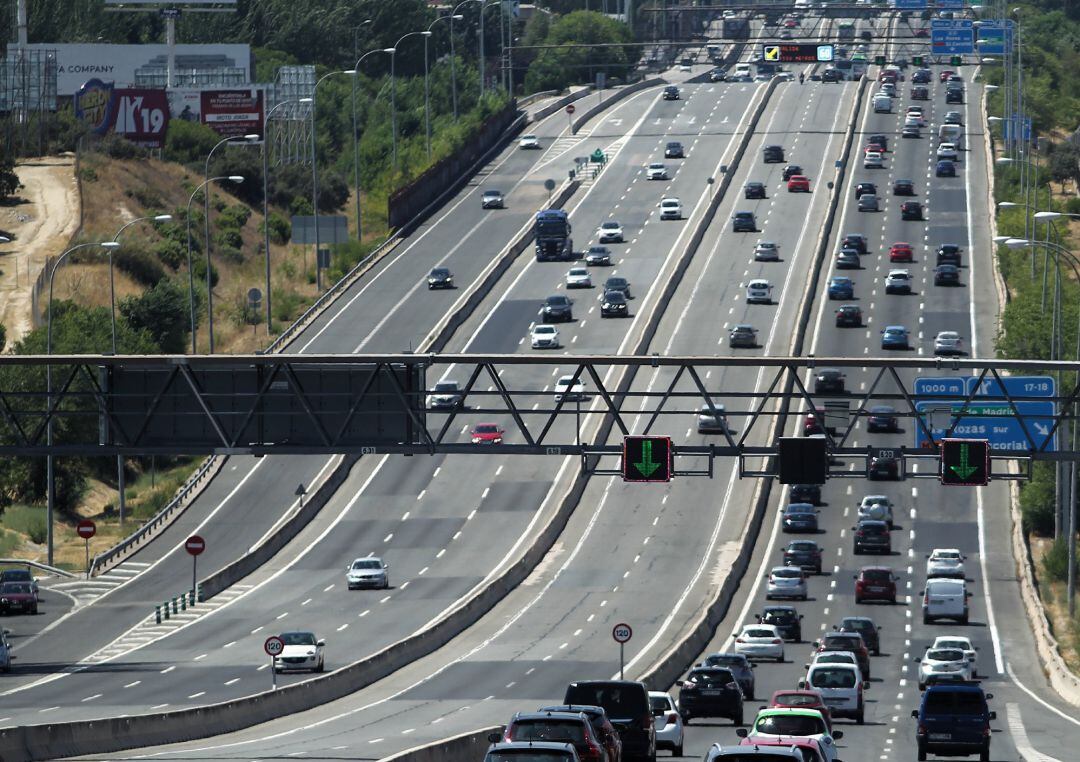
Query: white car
(670, 209)
(566, 387)
(774, 722)
(948, 343)
(898, 281)
(302, 651)
(758, 291)
(945, 599)
(545, 337)
(786, 582)
(915, 118)
(610, 232)
(945, 562)
(656, 171)
(668, 723)
(841, 686)
(767, 251)
(940, 664)
(371, 571)
(445, 394)
(578, 277)
(872, 160)
(964, 644)
(759, 641)
(834, 657)
(5, 652)
(876, 508)
(948, 151)
(529, 141)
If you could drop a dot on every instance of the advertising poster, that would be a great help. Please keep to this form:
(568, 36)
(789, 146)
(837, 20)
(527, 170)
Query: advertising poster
(139, 114)
(232, 112)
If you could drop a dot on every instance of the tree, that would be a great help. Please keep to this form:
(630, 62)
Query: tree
(9, 181)
(1065, 163)
(162, 312)
(556, 68)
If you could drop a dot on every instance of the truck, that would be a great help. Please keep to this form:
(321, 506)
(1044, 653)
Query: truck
(553, 236)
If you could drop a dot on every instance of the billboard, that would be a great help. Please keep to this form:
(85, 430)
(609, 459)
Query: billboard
(139, 114)
(119, 64)
(229, 112)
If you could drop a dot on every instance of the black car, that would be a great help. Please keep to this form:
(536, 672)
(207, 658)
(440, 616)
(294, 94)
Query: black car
(617, 283)
(738, 665)
(829, 381)
(743, 222)
(674, 150)
(849, 316)
(945, 168)
(946, 275)
(922, 76)
(871, 537)
(954, 96)
(800, 517)
(557, 308)
(866, 35)
(862, 188)
(855, 241)
(832, 75)
(903, 188)
(911, 210)
(440, 277)
(613, 304)
(920, 93)
(879, 140)
(710, 692)
(954, 720)
(882, 418)
(754, 190)
(791, 170)
(671, 93)
(628, 708)
(948, 254)
(865, 626)
(784, 618)
(805, 493)
(806, 554)
(883, 469)
(773, 154)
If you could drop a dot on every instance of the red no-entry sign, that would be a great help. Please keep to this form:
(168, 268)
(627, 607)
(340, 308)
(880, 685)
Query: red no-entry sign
(86, 529)
(570, 108)
(195, 545)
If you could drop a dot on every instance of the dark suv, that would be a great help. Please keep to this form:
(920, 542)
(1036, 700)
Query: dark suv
(743, 222)
(627, 706)
(557, 308)
(773, 154)
(954, 720)
(785, 618)
(875, 583)
(806, 554)
(710, 692)
(805, 493)
(948, 254)
(865, 626)
(873, 537)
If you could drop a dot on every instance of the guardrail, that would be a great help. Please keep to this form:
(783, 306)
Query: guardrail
(36, 565)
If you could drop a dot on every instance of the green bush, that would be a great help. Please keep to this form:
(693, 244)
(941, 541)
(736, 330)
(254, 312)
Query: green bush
(230, 254)
(280, 229)
(162, 311)
(1072, 206)
(116, 147)
(88, 175)
(228, 238)
(171, 253)
(1055, 563)
(28, 520)
(1037, 501)
(143, 267)
(146, 197)
(234, 216)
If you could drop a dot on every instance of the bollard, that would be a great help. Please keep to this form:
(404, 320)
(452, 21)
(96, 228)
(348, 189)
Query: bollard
(166, 606)
(175, 609)
(191, 595)
(157, 614)
(183, 602)
(201, 598)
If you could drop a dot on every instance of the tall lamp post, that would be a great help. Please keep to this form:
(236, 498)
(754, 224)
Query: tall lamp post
(232, 140)
(315, 168)
(266, 194)
(427, 89)
(356, 140)
(393, 88)
(50, 475)
(1025, 176)
(191, 272)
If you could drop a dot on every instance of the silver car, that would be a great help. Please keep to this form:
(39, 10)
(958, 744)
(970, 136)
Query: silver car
(711, 421)
(767, 251)
(786, 582)
(744, 336)
(368, 572)
(492, 199)
(868, 202)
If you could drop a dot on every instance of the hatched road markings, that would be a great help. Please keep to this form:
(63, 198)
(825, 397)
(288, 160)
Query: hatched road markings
(86, 590)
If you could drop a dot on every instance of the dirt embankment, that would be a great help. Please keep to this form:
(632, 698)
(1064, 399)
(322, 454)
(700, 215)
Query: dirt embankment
(42, 219)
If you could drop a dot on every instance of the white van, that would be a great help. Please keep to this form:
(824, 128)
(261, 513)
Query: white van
(945, 599)
(951, 133)
(742, 72)
(882, 104)
(841, 685)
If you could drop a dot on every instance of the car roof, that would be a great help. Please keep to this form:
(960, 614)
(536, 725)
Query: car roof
(773, 711)
(895, 328)
(543, 715)
(874, 568)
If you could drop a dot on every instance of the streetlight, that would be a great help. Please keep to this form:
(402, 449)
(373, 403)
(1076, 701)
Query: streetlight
(1054, 215)
(427, 89)
(315, 169)
(393, 89)
(1000, 239)
(266, 194)
(191, 275)
(990, 88)
(1014, 205)
(49, 471)
(356, 140)
(232, 140)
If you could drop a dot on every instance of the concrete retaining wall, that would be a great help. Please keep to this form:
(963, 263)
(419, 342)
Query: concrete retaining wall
(560, 104)
(467, 747)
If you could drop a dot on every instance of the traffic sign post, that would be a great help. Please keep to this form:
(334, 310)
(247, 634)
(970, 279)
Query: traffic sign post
(991, 419)
(646, 459)
(570, 115)
(86, 529)
(194, 545)
(965, 462)
(273, 647)
(622, 633)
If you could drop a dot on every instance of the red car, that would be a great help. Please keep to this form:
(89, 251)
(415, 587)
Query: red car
(801, 699)
(901, 252)
(888, 75)
(798, 183)
(811, 425)
(875, 583)
(573, 728)
(944, 75)
(846, 641)
(922, 32)
(791, 24)
(487, 433)
(17, 597)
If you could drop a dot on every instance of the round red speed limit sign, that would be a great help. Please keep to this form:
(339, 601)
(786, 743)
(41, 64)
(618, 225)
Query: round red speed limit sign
(86, 529)
(570, 108)
(274, 645)
(195, 545)
(622, 633)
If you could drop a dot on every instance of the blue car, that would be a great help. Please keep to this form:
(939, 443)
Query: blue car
(841, 287)
(894, 337)
(945, 168)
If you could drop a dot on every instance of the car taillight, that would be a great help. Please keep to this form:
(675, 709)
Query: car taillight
(671, 718)
(777, 640)
(986, 730)
(647, 722)
(926, 600)
(739, 640)
(922, 729)
(593, 752)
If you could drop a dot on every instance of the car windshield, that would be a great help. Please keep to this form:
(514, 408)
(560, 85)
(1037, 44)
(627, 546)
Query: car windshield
(610, 225)
(558, 301)
(439, 272)
(953, 644)
(944, 654)
(796, 699)
(798, 508)
(367, 564)
(858, 625)
(877, 575)
(15, 588)
(446, 386)
(620, 700)
(842, 642)
(759, 632)
(711, 677)
(831, 677)
(787, 573)
(725, 660)
(803, 546)
(615, 282)
(659, 704)
(15, 575)
(544, 329)
(778, 616)
(528, 755)
(789, 725)
(487, 428)
(836, 657)
(549, 729)
(598, 250)
(954, 702)
(579, 271)
(614, 297)
(492, 193)
(298, 638)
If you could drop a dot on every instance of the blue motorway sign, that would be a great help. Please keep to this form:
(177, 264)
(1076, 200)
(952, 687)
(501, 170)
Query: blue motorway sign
(951, 386)
(910, 5)
(953, 4)
(1016, 130)
(1015, 386)
(995, 37)
(952, 37)
(993, 421)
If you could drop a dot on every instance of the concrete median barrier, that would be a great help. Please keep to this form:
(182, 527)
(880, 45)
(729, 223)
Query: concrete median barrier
(467, 747)
(614, 97)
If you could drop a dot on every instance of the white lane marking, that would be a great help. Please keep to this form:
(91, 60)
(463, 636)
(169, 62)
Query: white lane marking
(1047, 705)
(1020, 736)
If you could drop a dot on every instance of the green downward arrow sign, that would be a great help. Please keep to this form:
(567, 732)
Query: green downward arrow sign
(647, 466)
(964, 470)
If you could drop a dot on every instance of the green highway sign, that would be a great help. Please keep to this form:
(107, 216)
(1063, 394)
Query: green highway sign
(965, 462)
(917, 60)
(647, 459)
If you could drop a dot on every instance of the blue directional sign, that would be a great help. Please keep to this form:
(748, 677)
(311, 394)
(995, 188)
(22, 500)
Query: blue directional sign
(950, 386)
(952, 36)
(995, 37)
(992, 421)
(952, 4)
(1015, 386)
(910, 5)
